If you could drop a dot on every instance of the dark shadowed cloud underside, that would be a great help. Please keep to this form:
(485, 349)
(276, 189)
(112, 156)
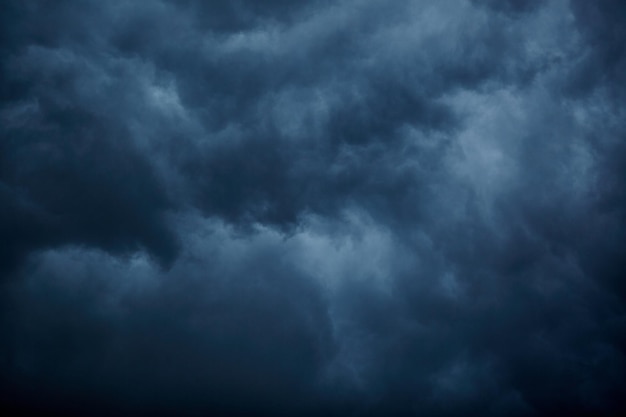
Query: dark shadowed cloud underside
(358, 207)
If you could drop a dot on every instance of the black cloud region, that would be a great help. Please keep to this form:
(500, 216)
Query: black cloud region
(358, 207)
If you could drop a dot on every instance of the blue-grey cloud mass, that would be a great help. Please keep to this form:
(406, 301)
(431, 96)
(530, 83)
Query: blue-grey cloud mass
(356, 207)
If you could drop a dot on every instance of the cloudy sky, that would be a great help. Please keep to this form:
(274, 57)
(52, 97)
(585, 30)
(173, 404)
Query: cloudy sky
(276, 207)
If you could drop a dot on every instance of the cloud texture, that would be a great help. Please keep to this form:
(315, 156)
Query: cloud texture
(358, 207)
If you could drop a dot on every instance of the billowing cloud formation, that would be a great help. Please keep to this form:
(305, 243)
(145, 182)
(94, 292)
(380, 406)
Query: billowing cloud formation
(274, 207)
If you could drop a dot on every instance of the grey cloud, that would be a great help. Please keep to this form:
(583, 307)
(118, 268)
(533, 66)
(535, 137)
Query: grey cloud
(119, 333)
(356, 207)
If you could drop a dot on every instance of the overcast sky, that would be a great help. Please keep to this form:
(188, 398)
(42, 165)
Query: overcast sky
(276, 207)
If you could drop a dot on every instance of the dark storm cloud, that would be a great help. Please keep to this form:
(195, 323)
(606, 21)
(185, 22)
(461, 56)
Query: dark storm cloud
(242, 345)
(602, 26)
(510, 6)
(362, 207)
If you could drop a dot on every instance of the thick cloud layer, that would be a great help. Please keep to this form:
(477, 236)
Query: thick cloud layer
(360, 207)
